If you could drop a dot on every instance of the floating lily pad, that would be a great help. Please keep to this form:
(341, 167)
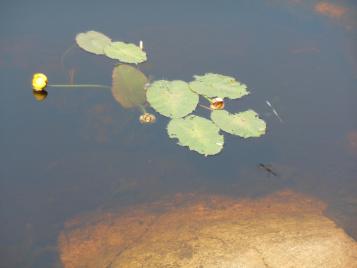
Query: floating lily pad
(128, 87)
(93, 42)
(245, 124)
(198, 133)
(217, 85)
(172, 98)
(124, 52)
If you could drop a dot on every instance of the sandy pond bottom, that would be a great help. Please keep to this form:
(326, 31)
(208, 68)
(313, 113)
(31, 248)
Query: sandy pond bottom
(284, 229)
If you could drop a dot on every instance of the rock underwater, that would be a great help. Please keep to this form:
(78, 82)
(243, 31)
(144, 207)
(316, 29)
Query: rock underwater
(284, 229)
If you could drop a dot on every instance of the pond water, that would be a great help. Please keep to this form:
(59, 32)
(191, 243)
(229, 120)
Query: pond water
(79, 150)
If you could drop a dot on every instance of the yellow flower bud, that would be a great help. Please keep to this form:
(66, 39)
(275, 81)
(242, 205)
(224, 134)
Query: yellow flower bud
(147, 118)
(39, 81)
(217, 104)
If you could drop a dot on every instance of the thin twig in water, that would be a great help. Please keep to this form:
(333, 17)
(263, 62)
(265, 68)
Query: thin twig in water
(274, 111)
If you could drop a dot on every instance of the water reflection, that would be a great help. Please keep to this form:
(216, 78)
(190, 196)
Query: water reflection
(40, 95)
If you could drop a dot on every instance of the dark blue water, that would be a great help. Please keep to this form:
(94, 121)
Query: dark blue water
(80, 150)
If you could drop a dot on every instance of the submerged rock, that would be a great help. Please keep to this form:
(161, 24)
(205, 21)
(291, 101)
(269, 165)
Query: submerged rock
(352, 141)
(285, 229)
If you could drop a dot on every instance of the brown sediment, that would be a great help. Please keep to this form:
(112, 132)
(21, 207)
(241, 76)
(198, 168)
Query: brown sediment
(352, 141)
(285, 229)
(330, 9)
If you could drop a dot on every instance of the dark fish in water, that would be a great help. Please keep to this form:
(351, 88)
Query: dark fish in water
(268, 169)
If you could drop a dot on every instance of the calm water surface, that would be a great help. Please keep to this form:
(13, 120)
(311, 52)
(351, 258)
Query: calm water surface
(80, 150)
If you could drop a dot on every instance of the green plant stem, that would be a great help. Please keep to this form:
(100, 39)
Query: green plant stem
(205, 107)
(142, 109)
(65, 54)
(209, 99)
(80, 86)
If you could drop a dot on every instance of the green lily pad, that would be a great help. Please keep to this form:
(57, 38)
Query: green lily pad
(128, 86)
(93, 42)
(217, 85)
(198, 133)
(245, 124)
(172, 98)
(124, 52)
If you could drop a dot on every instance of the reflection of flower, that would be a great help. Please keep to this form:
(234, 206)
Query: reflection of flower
(39, 81)
(147, 118)
(217, 104)
(40, 95)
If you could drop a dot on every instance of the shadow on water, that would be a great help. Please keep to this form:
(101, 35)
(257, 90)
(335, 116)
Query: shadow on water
(79, 151)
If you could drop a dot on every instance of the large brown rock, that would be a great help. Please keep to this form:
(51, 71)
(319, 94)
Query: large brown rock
(285, 229)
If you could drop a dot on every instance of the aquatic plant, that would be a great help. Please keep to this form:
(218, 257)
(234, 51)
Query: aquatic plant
(244, 124)
(124, 52)
(197, 133)
(128, 89)
(98, 43)
(178, 99)
(175, 99)
(128, 86)
(93, 42)
(217, 85)
(39, 81)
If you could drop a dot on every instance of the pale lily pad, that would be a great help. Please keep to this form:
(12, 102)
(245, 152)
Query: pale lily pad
(93, 42)
(198, 133)
(124, 52)
(172, 98)
(128, 87)
(217, 85)
(245, 124)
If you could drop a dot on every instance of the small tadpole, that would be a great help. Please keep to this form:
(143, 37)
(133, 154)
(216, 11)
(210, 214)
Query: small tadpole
(268, 169)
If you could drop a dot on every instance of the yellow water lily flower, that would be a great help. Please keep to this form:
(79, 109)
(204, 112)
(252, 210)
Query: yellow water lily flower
(217, 104)
(147, 118)
(39, 81)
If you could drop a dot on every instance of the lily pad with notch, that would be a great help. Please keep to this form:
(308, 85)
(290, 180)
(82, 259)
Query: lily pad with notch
(197, 133)
(125, 52)
(217, 85)
(172, 98)
(244, 124)
(93, 42)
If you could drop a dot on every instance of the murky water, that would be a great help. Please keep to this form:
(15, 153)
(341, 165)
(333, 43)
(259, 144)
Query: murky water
(79, 150)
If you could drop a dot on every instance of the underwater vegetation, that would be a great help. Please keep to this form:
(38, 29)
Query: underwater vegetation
(176, 99)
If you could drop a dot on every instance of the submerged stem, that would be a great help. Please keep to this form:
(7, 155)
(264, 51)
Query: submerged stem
(65, 54)
(142, 109)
